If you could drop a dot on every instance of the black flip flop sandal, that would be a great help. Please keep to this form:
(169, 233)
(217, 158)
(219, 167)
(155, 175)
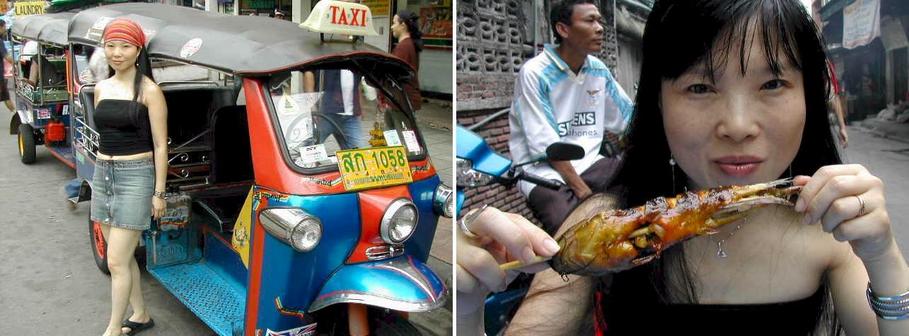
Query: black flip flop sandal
(136, 327)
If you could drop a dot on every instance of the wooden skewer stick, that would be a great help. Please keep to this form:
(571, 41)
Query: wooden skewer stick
(513, 265)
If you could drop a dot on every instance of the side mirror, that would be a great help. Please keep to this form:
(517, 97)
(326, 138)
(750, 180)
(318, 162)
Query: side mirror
(472, 147)
(561, 151)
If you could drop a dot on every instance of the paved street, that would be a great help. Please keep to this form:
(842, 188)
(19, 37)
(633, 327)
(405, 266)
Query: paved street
(888, 160)
(49, 283)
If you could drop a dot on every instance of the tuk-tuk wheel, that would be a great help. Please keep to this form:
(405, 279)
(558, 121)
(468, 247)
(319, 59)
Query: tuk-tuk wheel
(26, 143)
(387, 322)
(99, 245)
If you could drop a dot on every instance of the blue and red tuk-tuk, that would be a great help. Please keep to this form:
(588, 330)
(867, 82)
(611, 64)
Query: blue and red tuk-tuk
(42, 96)
(282, 218)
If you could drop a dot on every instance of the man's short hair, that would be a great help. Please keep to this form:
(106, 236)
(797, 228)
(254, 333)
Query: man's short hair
(561, 11)
(2, 23)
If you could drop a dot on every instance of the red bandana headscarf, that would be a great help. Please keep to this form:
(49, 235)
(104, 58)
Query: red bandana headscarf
(124, 30)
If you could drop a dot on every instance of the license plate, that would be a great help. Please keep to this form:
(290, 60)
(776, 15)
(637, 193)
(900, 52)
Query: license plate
(373, 167)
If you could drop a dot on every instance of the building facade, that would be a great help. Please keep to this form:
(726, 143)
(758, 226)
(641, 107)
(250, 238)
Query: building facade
(435, 23)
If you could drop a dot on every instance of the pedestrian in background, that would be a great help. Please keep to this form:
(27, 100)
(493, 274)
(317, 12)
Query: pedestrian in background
(131, 169)
(410, 43)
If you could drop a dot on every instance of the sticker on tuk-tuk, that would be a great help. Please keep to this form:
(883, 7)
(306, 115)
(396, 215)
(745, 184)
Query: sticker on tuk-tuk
(312, 154)
(391, 138)
(307, 330)
(373, 167)
(410, 139)
(65, 109)
(97, 29)
(43, 113)
(191, 47)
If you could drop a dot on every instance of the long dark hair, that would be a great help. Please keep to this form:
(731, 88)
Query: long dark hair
(410, 21)
(679, 35)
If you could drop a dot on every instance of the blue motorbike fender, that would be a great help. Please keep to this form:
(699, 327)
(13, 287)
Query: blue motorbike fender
(402, 283)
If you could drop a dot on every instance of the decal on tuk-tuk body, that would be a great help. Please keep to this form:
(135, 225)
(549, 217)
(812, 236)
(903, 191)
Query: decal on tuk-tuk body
(191, 47)
(374, 167)
(301, 331)
(240, 239)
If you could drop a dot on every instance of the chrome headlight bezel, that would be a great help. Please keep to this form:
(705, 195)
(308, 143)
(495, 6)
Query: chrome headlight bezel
(466, 176)
(443, 200)
(295, 227)
(389, 223)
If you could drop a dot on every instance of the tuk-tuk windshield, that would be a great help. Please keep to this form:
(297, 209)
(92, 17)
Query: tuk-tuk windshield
(322, 111)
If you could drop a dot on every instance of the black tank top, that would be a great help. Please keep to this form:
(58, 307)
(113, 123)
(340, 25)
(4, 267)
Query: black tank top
(123, 127)
(632, 309)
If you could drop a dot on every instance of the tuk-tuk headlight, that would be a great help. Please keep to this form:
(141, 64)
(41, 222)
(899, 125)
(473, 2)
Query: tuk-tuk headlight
(467, 177)
(399, 221)
(443, 201)
(296, 227)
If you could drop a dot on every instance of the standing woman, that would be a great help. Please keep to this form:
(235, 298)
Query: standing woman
(410, 44)
(128, 184)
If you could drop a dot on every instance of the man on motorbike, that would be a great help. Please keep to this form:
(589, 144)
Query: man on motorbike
(566, 94)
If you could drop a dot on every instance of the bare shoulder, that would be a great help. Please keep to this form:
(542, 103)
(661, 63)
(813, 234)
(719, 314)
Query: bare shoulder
(826, 251)
(151, 91)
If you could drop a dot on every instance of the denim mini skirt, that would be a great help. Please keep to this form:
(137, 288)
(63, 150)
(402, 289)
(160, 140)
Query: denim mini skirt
(122, 193)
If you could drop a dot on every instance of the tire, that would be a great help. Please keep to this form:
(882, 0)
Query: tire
(99, 246)
(393, 324)
(26, 144)
(96, 239)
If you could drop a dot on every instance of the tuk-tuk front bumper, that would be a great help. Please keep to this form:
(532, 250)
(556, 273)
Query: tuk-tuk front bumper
(402, 284)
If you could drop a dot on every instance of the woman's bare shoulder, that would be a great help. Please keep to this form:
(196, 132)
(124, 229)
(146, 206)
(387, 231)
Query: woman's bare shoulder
(814, 243)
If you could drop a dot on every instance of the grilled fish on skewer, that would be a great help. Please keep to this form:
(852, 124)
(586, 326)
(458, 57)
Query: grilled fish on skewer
(616, 240)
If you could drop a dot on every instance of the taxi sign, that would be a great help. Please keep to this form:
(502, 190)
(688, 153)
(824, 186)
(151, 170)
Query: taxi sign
(373, 167)
(339, 17)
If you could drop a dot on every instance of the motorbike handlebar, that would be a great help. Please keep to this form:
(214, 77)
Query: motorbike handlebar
(540, 181)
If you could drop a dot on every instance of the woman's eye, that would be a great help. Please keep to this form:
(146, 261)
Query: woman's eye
(773, 84)
(698, 89)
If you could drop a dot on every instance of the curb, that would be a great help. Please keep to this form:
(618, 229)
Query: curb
(870, 127)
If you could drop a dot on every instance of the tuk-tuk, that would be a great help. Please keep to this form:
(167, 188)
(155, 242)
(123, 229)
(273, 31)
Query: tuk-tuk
(278, 221)
(42, 98)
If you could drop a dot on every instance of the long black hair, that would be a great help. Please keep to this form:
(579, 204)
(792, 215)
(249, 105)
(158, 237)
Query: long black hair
(410, 19)
(682, 34)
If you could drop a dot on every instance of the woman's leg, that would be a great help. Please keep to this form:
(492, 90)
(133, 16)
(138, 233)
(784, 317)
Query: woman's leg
(121, 244)
(135, 295)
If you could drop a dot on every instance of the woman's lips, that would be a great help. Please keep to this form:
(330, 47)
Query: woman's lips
(738, 166)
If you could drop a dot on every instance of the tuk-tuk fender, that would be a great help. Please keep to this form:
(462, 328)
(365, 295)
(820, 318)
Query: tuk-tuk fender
(403, 284)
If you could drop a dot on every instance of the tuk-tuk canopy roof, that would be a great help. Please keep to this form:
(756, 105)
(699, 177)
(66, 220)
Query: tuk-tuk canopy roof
(47, 28)
(245, 45)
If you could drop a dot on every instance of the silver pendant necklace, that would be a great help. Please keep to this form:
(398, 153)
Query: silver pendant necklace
(721, 245)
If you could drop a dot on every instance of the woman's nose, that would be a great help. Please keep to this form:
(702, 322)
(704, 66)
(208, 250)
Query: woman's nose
(739, 122)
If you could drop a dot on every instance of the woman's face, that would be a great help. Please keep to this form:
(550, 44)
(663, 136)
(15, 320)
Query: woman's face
(397, 27)
(121, 55)
(739, 129)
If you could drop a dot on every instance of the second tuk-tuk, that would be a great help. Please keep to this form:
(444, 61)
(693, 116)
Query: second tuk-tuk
(42, 98)
(279, 220)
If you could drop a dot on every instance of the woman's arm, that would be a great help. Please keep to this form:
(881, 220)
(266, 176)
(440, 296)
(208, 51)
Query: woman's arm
(553, 306)
(157, 116)
(849, 203)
